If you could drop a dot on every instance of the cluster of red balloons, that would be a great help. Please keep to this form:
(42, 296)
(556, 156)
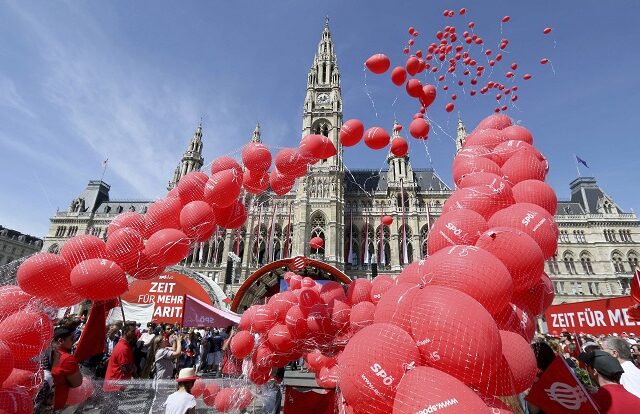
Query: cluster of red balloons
(224, 400)
(486, 259)
(461, 59)
(377, 138)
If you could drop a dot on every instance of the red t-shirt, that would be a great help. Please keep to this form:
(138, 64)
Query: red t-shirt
(614, 399)
(121, 364)
(66, 366)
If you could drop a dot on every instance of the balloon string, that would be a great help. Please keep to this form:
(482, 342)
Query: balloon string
(366, 90)
(552, 68)
(432, 122)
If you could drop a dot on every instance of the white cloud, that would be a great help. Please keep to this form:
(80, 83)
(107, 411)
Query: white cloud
(9, 96)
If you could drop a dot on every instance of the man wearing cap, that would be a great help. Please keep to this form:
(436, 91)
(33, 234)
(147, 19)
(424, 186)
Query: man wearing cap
(64, 367)
(621, 350)
(611, 398)
(181, 401)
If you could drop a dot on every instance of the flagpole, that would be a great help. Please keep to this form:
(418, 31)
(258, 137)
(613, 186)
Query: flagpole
(575, 159)
(104, 169)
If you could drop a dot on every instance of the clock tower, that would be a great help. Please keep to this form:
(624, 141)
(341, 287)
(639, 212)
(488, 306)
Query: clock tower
(323, 102)
(319, 204)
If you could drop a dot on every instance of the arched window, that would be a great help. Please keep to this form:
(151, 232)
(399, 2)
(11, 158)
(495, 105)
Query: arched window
(632, 257)
(218, 251)
(368, 244)
(585, 260)
(288, 240)
(618, 264)
(351, 252)
(318, 223)
(552, 263)
(569, 263)
(259, 244)
(383, 246)
(404, 237)
(424, 238)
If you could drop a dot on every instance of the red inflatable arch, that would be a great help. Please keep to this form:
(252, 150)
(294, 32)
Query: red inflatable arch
(265, 281)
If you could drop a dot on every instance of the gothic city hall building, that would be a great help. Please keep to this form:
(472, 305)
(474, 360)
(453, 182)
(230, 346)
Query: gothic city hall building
(597, 251)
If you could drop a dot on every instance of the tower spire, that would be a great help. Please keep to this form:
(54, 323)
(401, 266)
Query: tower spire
(461, 134)
(256, 133)
(192, 159)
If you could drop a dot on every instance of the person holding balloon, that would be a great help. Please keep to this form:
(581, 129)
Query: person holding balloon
(64, 367)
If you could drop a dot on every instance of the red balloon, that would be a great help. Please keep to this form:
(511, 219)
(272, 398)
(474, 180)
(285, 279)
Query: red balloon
(489, 138)
(359, 291)
(191, 187)
(435, 388)
(412, 66)
(280, 184)
(316, 243)
(398, 76)
(518, 133)
(449, 107)
(80, 394)
(198, 388)
(521, 365)
(210, 392)
(282, 302)
(414, 88)
(482, 178)
(387, 220)
(536, 192)
(167, 247)
(419, 128)
(225, 163)
(127, 219)
(28, 380)
(372, 364)
(473, 271)
(524, 166)
(256, 157)
(526, 76)
(537, 299)
(504, 151)
(395, 305)
(361, 315)
(514, 319)
(457, 227)
(124, 247)
(481, 199)
(263, 318)
(280, 338)
(332, 291)
(242, 344)
(546, 30)
(340, 315)
(466, 163)
(99, 279)
(82, 247)
(162, 214)
(12, 299)
(197, 220)
(259, 376)
(495, 121)
(399, 147)
(6, 361)
(231, 217)
(351, 132)
(429, 93)
(517, 251)
(376, 138)
(378, 63)
(309, 297)
(246, 319)
(439, 318)
(295, 281)
(506, 19)
(317, 147)
(27, 333)
(142, 268)
(296, 322)
(46, 275)
(290, 162)
(321, 330)
(223, 188)
(380, 285)
(15, 400)
(256, 181)
(533, 220)
(328, 377)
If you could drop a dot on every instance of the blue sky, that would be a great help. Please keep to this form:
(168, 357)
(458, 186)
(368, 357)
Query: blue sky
(83, 81)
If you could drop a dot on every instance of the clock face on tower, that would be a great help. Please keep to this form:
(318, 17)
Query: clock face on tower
(322, 98)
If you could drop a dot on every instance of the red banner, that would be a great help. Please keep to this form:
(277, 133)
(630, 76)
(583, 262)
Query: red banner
(198, 314)
(558, 391)
(167, 293)
(605, 316)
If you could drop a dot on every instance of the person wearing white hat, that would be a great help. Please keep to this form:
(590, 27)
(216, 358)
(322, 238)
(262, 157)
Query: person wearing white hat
(181, 401)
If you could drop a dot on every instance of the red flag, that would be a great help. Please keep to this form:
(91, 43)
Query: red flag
(577, 350)
(635, 285)
(558, 391)
(93, 338)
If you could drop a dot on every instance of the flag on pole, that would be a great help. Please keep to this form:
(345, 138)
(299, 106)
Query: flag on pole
(558, 391)
(350, 258)
(270, 245)
(104, 163)
(581, 161)
(366, 242)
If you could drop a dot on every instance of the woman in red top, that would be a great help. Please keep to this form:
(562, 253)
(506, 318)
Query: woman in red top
(231, 366)
(64, 367)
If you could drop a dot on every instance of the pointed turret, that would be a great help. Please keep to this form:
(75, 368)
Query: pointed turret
(256, 134)
(192, 159)
(461, 134)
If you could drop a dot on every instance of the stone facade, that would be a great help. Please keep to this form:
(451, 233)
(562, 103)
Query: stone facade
(598, 246)
(14, 245)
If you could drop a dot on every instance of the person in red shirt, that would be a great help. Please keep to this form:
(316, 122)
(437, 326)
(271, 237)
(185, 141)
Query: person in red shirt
(64, 367)
(606, 371)
(121, 364)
